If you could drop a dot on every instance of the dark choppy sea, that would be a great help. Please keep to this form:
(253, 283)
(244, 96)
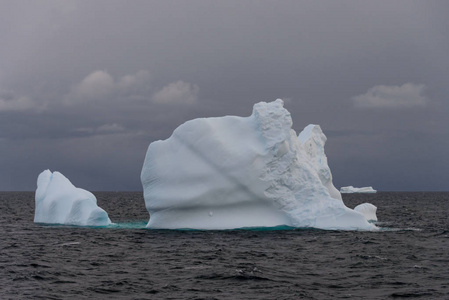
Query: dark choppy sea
(409, 258)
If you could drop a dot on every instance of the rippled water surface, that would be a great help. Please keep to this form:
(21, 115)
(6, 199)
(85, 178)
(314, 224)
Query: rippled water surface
(408, 258)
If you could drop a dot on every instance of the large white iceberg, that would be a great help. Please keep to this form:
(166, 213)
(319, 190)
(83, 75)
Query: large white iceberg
(350, 189)
(58, 201)
(234, 172)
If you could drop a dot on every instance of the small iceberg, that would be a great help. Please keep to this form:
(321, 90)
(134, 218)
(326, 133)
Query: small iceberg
(58, 201)
(368, 211)
(350, 189)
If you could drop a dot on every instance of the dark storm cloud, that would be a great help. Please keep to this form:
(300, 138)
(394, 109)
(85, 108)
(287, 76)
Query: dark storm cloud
(85, 86)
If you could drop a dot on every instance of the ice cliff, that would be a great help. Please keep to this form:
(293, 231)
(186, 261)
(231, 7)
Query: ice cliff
(350, 189)
(233, 172)
(58, 201)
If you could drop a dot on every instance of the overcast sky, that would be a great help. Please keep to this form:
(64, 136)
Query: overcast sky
(86, 86)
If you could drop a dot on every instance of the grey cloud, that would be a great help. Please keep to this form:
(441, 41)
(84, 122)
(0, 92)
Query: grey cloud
(382, 96)
(178, 92)
(100, 85)
(140, 81)
(97, 85)
(13, 103)
(113, 128)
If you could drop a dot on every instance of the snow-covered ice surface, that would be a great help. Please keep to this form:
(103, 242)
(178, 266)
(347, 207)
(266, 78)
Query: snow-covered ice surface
(235, 172)
(351, 189)
(368, 210)
(58, 201)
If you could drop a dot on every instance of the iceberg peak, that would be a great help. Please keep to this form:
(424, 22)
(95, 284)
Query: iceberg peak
(313, 140)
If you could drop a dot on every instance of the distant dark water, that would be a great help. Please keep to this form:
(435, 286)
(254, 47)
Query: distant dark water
(409, 259)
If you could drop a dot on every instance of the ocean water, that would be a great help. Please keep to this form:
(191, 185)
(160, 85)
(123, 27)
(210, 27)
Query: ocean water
(408, 258)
